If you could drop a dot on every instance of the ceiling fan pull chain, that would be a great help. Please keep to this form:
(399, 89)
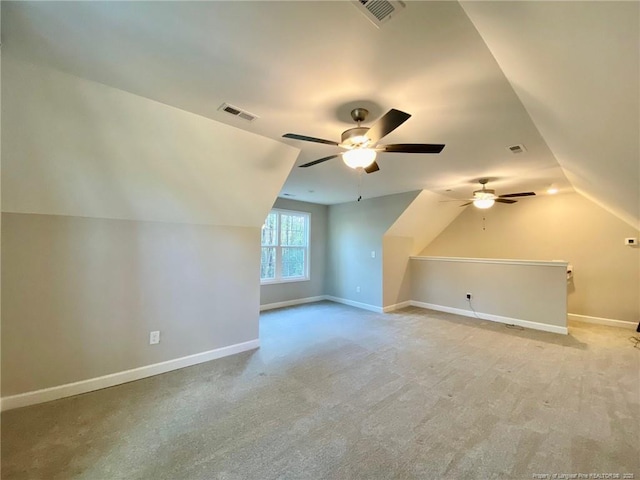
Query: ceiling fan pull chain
(360, 170)
(483, 225)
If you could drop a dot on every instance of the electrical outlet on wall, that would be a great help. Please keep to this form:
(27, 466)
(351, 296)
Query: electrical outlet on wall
(358, 289)
(469, 296)
(154, 337)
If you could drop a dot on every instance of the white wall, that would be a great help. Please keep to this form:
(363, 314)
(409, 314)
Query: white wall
(80, 295)
(122, 215)
(355, 230)
(422, 221)
(396, 274)
(531, 294)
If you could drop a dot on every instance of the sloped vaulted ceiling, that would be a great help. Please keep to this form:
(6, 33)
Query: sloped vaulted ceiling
(79, 148)
(575, 67)
(560, 77)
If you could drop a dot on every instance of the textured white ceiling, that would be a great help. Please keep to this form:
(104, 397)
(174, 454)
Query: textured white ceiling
(301, 66)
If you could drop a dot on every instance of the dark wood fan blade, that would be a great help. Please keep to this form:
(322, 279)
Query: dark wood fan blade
(521, 194)
(320, 160)
(505, 200)
(387, 124)
(412, 147)
(372, 168)
(465, 204)
(304, 138)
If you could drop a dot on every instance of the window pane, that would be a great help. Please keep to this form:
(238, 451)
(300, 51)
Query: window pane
(293, 230)
(292, 262)
(270, 229)
(268, 263)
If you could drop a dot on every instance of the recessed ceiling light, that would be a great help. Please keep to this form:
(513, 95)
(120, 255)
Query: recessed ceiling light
(552, 190)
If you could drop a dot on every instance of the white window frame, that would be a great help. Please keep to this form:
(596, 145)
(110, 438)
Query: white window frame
(278, 263)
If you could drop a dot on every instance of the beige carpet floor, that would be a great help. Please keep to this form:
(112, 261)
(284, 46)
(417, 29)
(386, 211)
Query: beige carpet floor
(340, 393)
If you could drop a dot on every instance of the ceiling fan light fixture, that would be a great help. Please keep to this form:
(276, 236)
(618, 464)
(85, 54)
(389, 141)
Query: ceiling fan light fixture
(484, 198)
(359, 157)
(483, 202)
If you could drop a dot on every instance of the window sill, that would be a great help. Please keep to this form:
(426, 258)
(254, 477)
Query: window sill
(286, 280)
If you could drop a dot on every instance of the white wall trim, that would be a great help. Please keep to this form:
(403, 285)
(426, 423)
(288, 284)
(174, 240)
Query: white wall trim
(290, 303)
(364, 306)
(602, 321)
(539, 263)
(352, 303)
(493, 318)
(98, 383)
(396, 306)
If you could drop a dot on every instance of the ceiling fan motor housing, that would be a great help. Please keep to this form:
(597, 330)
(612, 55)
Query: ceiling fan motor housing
(356, 137)
(485, 193)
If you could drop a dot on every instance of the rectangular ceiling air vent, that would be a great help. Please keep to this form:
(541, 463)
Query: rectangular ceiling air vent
(379, 11)
(237, 112)
(516, 148)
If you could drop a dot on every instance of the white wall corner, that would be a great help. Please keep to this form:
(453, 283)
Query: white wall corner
(396, 306)
(351, 303)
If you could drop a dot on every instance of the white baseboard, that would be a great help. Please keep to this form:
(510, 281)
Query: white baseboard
(396, 306)
(290, 303)
(98, 383)
(602, 321)
(352, 303)
(493, 318)
(364, 306)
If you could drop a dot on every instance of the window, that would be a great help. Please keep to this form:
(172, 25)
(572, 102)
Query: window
(285, 247)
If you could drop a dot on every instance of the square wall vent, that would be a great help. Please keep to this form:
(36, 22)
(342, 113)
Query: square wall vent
(379, 12)
(237, 112)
